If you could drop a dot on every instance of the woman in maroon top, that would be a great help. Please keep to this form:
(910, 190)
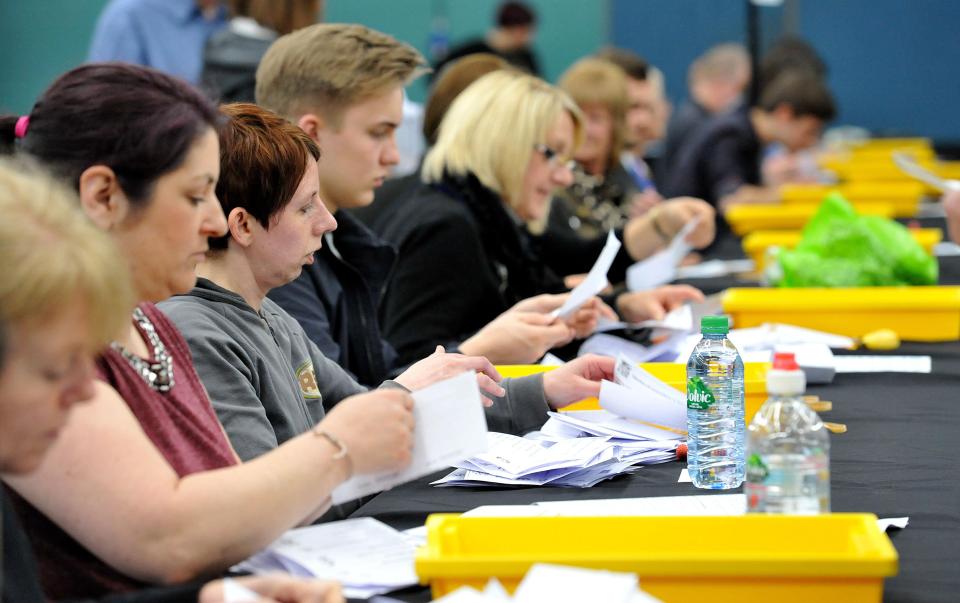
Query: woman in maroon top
(143, 486)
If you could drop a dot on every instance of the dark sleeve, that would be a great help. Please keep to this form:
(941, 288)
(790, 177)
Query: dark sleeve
(301, 300)
(565, 252)
(723, 168)
(183, 593)
(436, 292)
(523, 409)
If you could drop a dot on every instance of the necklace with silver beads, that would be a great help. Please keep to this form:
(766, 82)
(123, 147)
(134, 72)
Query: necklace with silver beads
(159, 373)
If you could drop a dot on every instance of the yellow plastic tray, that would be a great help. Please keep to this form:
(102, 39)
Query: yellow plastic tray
(839, 558)
(756, 244)
(746, 218)
(904, 196)
(671, 373)
(915, 313)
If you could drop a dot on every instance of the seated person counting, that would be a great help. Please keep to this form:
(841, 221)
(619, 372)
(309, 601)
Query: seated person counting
(60, 304)
(267, 380)
(163, 497)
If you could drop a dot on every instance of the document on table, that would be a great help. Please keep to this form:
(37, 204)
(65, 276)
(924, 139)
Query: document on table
(678, 319)
(661, 267)
(638, 395)
(882, 364)
(365, 555)
(605, 423)
(595, 281)
(606, 344)
(450, 427)
(700, 504)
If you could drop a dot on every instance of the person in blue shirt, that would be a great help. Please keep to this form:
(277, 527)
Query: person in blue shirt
(168, 35)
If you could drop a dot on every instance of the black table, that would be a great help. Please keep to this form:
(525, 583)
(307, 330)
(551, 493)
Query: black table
(894, 461)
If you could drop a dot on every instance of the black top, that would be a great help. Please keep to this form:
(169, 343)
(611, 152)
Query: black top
(463, 259)
(522, 58)
(21, 582)
(717, 159)
(335, 300)
(690, 117)
(230, 62)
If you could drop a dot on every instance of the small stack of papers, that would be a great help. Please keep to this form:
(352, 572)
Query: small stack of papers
(578, 462)
(365, 555)
(558, 584)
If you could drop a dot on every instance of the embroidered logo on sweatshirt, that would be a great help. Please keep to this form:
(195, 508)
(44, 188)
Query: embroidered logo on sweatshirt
(308, 381)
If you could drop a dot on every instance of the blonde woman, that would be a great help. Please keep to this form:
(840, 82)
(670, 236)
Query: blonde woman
(61, 302)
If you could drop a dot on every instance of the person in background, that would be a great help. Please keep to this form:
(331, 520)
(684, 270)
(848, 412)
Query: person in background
(348, 98)
(717, 82)
(510, 39)
(162, 497)
(267, 381)
(168, 35)
(61, 302)
(721, 162)
(951, 204)
(645, 121)
(231, 56)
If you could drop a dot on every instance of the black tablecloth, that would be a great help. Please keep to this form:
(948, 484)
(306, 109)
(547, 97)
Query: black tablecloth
(894, 461)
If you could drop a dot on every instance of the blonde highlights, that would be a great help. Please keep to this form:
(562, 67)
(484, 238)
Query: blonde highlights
(54, 258)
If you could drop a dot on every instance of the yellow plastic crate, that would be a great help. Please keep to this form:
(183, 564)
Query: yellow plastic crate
(838, 557)
(756, 244)
(915, 313)
(671, 373)
(948, 169)
(904, 196)
(747, 218)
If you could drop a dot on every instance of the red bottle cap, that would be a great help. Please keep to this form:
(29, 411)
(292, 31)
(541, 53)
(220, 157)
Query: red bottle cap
(785, 361)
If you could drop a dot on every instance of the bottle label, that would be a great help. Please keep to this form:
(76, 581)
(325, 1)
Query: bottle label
(757, 470)
(699, 396)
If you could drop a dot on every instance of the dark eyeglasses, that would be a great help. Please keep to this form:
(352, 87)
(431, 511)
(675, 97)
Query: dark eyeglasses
(554, 158)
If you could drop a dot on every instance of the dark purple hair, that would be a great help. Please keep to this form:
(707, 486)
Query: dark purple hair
(135, 120)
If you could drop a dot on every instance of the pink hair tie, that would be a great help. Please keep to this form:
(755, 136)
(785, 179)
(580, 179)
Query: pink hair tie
(20, 130)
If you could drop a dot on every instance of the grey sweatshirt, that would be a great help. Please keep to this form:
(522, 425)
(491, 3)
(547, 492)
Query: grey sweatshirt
(268, 382)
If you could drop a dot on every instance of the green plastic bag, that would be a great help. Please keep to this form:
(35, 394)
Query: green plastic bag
(842, 249)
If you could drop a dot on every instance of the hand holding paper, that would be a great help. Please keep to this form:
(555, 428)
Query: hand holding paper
(596, 279)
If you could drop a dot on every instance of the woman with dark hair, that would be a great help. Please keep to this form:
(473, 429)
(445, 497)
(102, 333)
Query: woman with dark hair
(60, 303)
(143, 485)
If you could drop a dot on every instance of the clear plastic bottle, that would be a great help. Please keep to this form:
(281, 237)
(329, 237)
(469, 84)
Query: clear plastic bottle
(788, 448)
(715, 424)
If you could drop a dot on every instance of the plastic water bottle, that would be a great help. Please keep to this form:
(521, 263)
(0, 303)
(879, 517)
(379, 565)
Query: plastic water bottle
(715, 425)
(788, 448)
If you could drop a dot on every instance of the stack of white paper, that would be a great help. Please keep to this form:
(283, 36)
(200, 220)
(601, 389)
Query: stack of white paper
(578, 462)
(366, 556)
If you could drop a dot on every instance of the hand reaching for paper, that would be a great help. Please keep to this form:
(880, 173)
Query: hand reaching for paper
(638, 306)
(675, 213)
(583, 321)
(440, 365)
(576, 380)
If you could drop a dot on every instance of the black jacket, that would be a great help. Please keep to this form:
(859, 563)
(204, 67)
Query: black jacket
(463, 259)
(21, 581)
(335, 300)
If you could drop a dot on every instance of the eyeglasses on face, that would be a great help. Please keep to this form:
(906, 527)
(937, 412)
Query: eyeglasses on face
(554, 158)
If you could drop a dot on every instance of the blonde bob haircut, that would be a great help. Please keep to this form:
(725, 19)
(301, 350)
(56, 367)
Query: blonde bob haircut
(54, 258)
(329, 67)
(492, 127)
(594, 81)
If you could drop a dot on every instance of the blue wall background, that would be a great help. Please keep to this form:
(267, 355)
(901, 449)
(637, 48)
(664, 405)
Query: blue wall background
(893, 63)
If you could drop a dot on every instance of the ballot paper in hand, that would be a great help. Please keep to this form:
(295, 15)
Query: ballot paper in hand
(365, 555)
(638, 395)
(679, 319)
(450, 426)
(595, 281)
(661, 267)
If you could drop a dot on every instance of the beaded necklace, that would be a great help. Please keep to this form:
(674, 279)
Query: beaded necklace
(159, 373)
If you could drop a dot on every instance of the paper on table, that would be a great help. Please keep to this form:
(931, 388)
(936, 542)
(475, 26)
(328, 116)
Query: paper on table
(560, 584)
(605, 423)
(882, 364)
(366, 556)
(893, 522)
(661, 267)
(234, 592)
(450, 427)
(595, 281)
(684, 477)
(701, 504)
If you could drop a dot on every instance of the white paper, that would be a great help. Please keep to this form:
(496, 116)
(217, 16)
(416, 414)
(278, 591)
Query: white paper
(234, 592)
(702, 504)
(595, 281)
(892, 522)
(365, 555)
(882, 364)
(684, 477)
(716, 268)
(450, 426)
(605, 423)
(661, 267)
(640, 396)
(561, 584)
(550, 360)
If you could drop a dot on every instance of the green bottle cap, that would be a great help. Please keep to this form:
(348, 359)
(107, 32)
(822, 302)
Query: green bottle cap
(714, 325)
